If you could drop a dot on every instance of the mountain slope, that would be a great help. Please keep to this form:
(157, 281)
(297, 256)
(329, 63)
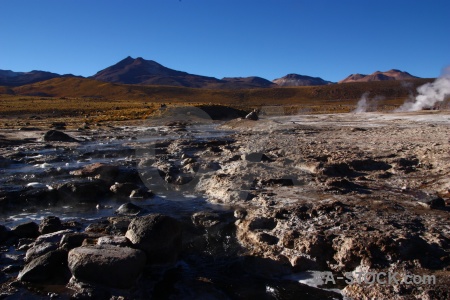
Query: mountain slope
(10, 78)
(300, 80)
(246, 82)
(379, 76)
(149, 72)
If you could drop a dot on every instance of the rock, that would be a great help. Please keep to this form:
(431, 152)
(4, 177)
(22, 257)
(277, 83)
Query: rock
(46, 267)
(24, 244)
(29, 129)
(86, 191)
(40, 249)
(54, 237)
(240, 214)
(39, 196)
(252, 116)
(100, 227)
(119, 224)
(120, 241)
(73, 240)
(58, 125)
(434, 202)
(129, 209)
(50, 224)
(159, 236)
(4, 233)
(117, 267)
(123, 189)
(187, 161)
(207, 219)
(256, 157)
(140, 194)
(58, 136)
(26, 230)
(98, 170)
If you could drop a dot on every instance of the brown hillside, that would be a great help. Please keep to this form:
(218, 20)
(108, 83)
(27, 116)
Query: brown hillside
(379, 76)
(95, 101)
(88, 88)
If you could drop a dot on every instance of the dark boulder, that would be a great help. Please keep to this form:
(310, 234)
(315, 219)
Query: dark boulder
(53, 237)
(40, 249)
(123, 189)
(26, 230)
(73, 240)
(159, 236)
(85, 191)
(41, 196)
(58, 136)
(129, 209)
(98, 170)
(45, 268)
(252, 116)
(50, 224)
(112, 266)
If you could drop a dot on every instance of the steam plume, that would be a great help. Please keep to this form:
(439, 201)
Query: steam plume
(430, 93)
(362, 104)
(365, 104)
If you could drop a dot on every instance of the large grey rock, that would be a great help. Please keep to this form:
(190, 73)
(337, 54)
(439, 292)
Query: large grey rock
(73, 240)
(98, 170)
(113, 241)
(113, 266)
(58, 136)
(26, 230)
(45, 267)
(54, 237)
(86, 191)
(50, 224)
(129, 209)
(40, 249)
(159, 236)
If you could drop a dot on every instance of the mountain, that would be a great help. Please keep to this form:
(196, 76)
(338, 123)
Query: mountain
(379, 76)
(10, 78)
(148, 72)
(246, 82)
(300, 80)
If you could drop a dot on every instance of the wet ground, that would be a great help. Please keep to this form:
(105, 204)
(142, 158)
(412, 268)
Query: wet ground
(289, 194)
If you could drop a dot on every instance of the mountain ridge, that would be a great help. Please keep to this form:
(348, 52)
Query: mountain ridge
(300, 80)
(139, 71)
(11, 78)
(393, 74)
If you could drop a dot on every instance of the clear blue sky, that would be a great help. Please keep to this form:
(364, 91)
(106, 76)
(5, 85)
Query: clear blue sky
(268, 38)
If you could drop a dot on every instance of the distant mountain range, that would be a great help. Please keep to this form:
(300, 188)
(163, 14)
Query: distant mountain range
(379, 76)
(139, 71)
(300, 80)
(10, 78)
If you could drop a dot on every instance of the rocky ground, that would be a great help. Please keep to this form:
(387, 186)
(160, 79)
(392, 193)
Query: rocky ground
(276, 197)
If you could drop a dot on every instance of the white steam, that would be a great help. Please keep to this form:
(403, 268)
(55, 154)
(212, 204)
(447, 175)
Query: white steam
(362, 104)
(366, 104)
(430, 94)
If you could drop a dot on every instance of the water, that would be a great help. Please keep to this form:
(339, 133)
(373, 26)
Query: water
(42, 167)
(212, 265)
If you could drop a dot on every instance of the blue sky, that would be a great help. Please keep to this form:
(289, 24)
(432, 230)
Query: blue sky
(222, 38)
